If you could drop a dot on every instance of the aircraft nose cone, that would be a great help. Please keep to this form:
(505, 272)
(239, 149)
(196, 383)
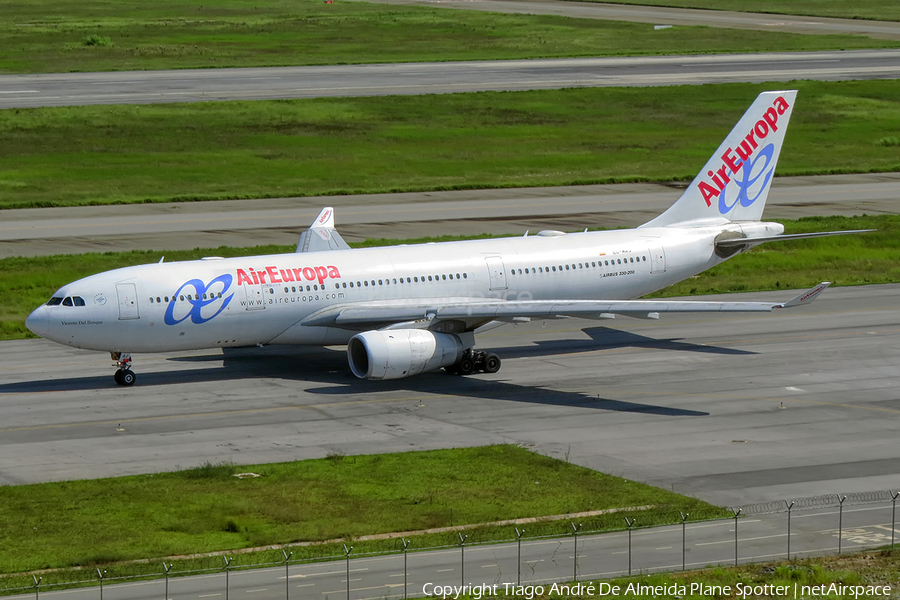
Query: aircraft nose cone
(38, 322)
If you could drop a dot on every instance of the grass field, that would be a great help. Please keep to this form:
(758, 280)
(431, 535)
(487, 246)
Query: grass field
(880, 10)
(121, 154)
(26, 283)
(206, 509)
(60, 36)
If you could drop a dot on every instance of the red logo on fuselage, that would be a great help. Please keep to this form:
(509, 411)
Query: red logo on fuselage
(731, 164)
(275, 275)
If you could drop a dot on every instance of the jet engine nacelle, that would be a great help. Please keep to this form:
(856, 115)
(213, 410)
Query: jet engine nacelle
(394, 354)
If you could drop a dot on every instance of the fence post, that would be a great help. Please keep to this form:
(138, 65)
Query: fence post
(100, 575)
(347, 552)
(893, 514)
(575, 562)
(790, 506)
(630, 525)
(227, 569)
(405, 544)
(736, 513)
(167, 568)
(841, 523)
(287, 577)
(684, 518)
(37, 584)
(462, 557)
(519, 535)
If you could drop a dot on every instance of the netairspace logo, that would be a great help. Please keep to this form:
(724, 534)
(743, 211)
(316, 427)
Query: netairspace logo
(739, 590)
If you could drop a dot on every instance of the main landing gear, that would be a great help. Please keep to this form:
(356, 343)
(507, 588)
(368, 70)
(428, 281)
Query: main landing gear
(124, 375)
(475, 360)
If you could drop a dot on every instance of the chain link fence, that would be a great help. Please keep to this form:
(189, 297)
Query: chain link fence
(640, 521)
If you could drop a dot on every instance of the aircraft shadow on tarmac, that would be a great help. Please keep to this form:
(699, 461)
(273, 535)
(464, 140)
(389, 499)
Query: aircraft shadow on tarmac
(603, 338)
(329, 366)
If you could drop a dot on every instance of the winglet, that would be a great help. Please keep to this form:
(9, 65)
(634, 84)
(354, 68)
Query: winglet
(325, 220)
(806, 297)
(321, 235)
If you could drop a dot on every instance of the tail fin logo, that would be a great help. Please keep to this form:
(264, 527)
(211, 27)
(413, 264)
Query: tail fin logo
(738, 159)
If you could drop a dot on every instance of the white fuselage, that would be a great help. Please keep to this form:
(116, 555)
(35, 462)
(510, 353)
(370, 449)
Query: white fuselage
(264, 299)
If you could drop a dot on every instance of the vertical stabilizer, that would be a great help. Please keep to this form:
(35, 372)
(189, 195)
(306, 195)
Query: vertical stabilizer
(734, 184)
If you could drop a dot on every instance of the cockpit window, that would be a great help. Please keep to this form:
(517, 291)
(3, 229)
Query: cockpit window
(55, 301)
(78, 300)
(67, 302)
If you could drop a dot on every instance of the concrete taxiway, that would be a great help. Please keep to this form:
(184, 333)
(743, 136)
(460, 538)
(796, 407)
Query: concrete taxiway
(203, 85)
(245, 223)
(887, 30)
(733, 409)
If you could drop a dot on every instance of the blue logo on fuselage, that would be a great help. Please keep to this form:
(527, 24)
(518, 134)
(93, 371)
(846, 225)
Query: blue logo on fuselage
(749, 179)
(202, 296)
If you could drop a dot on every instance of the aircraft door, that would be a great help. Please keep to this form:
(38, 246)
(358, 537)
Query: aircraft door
(657, 260)
(128, 306)
(497, 271)
(255, 300)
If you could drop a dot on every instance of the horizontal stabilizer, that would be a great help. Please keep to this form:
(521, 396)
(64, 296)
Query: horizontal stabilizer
(737, 242)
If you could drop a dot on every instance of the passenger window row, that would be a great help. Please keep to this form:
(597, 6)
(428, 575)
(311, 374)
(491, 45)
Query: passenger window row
(387, 281)
(184, 298)
(294, 288)
(401, 280)
(577, 266)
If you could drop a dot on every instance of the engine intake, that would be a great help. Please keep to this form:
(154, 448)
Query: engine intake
(395, 354)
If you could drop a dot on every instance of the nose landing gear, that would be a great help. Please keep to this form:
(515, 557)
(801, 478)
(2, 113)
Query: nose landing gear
(124, 375)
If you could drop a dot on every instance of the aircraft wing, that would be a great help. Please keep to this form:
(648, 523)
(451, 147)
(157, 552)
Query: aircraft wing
(321, 235)
(476, 312)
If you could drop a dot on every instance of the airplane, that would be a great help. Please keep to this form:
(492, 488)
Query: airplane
(409, 309)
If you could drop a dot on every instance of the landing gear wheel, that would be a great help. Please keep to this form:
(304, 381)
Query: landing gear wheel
(466, 366)
(125, 377)
(491, 363)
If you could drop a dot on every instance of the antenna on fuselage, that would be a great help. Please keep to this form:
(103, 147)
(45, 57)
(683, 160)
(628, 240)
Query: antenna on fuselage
(161, 259)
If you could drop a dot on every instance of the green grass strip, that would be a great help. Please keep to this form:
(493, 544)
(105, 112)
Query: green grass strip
(125, 154)
(207, 509)
(26, 283)
(879, 10)
(114, 35)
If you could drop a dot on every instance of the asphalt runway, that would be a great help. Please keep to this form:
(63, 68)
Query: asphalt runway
(247, 223)
(733, 409)
(201, 85)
